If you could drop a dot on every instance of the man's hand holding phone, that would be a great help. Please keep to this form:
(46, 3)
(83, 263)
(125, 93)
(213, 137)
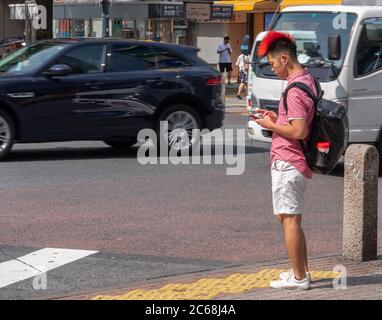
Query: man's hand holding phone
(265, 118)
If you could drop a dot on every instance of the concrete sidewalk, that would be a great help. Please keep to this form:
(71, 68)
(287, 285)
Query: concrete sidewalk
(251, 282)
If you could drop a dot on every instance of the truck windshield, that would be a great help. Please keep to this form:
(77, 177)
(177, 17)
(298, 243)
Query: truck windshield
(29, 59)
(311, 31)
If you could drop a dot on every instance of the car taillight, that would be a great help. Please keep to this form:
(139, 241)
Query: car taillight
(215, 81)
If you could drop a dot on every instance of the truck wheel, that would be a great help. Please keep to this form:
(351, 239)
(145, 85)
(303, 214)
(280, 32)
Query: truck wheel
(7, 134)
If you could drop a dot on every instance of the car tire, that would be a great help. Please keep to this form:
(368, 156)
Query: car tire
(121, 144)
(7, 134)
(180, 118)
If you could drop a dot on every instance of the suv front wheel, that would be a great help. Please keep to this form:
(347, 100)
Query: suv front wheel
(7, 134)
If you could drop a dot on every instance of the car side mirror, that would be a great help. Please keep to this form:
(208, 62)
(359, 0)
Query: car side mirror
(58, 70)
(334, 47)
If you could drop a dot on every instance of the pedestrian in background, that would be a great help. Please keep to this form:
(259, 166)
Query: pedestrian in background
(243, 64)
(225, 63)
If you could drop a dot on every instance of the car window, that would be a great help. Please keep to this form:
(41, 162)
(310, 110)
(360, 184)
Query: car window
(31, 58)
(86, 59)
(138, 57)
(167, 59)
(369, 49)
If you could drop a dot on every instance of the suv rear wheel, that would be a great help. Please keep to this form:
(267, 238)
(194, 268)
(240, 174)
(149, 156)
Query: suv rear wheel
(181, 119)
(7, 134)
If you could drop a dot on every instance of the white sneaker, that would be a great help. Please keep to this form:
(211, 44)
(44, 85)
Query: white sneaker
(284, 275)
(291, 283)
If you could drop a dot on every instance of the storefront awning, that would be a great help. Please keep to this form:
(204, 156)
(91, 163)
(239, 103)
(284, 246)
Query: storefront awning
(241, 5)
(289, 3)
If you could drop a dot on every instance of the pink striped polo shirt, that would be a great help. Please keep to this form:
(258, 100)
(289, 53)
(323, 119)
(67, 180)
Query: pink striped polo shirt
(300, 106)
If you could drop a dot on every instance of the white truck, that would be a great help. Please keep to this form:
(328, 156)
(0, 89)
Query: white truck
(341, 45)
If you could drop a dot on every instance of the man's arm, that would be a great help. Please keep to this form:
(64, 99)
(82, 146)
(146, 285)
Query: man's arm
(221, 50)
(297, 129)
(238, 61)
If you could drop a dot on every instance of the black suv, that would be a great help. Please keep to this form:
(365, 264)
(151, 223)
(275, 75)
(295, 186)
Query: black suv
(88, 89)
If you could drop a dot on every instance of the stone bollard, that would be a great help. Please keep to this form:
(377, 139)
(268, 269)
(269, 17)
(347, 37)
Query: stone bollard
(360, 227)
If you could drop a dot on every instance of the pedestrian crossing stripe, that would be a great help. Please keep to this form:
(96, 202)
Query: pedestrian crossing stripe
(209, 288)
(38, 263)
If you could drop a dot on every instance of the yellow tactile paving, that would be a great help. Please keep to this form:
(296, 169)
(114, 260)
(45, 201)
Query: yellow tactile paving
(209, 288)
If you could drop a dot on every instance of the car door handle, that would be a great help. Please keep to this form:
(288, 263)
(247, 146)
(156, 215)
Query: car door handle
(21, 95)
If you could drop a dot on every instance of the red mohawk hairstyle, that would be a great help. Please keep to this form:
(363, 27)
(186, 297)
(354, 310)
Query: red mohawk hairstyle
(271, 38)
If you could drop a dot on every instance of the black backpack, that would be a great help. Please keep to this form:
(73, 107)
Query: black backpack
(329, 135)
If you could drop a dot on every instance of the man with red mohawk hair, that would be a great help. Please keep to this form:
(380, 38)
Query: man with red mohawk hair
(289, 168)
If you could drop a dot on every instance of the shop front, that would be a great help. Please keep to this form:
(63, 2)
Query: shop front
(139, 20)
(84, 19)
(167, 22)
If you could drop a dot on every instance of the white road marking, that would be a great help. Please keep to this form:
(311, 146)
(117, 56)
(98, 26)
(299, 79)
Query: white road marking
(37, 263)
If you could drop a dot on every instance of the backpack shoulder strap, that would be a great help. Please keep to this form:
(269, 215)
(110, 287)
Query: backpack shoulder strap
(315, 99)
(302, 87)
(320, 92)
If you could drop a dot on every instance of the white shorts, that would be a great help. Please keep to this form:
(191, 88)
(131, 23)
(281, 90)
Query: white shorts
(288, 186)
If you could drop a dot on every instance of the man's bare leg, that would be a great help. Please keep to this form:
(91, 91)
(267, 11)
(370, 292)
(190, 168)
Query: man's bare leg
(295, 244)
(306, 252)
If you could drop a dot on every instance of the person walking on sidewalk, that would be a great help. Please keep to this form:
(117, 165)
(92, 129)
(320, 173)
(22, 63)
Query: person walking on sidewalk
(225, 63)
(289, 168)
(242, 64)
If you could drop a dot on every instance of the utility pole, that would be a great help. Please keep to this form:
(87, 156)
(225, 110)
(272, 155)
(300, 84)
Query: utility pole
(28, 25)
(105, 18)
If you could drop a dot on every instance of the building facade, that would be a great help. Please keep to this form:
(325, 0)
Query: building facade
(201, 23)
(16, 19)
(10, 27)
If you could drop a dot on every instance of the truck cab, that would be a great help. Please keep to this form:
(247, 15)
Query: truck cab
(342, 47)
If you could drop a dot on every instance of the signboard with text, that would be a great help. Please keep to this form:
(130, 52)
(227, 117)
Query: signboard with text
(166, 11)
(198, 11)
(222, 12)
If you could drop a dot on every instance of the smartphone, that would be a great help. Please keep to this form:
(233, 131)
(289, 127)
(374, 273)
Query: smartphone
(257, 116)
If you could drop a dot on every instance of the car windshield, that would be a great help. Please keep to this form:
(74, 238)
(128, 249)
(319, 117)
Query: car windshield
(29, 59)
(311, 31)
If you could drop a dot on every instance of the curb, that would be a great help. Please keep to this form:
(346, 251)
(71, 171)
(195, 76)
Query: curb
(361, 283)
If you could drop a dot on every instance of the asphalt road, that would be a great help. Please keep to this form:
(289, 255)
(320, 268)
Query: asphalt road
(148, 221)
